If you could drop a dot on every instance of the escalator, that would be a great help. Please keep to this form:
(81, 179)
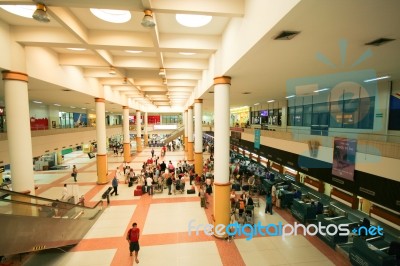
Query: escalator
(174, 135)
(30, 223)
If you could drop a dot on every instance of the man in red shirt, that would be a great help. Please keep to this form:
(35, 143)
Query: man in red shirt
(133, 240)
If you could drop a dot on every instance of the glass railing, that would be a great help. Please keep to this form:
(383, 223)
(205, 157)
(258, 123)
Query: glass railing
(14, 203)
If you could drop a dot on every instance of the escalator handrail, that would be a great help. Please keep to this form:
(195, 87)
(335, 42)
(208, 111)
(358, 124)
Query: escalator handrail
(46, 199)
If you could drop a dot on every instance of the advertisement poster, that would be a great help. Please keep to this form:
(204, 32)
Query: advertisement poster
(257, 134)
(344, 158)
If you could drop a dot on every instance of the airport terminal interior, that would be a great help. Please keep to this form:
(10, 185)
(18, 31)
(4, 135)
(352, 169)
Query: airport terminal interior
(278, 122)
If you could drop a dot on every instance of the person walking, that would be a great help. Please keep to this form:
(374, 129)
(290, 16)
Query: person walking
(115, 185)
(133, 240)
(74, 173)
(152, 152)
(169, 183)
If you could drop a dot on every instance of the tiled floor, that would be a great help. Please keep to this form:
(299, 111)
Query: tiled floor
(163, 220)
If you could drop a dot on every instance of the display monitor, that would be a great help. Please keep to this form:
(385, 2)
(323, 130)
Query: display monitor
(264, 113)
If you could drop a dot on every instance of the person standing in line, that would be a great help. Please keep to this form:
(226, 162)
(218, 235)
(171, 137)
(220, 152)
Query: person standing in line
(149, 183)
(268, 200)
(152, 152)
(133, 240)
(169, 183)
(115, 185)
(74, 173)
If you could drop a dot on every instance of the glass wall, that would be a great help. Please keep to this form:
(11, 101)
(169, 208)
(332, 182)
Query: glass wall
(171, 119)
(351, 113)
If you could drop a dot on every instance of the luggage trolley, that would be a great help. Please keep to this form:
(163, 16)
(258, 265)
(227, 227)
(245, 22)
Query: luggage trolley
(249, 214)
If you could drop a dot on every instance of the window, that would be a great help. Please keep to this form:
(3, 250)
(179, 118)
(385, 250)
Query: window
(336, 119)
(320, 115)
(307, 114)
(298, 116)
(290, 120)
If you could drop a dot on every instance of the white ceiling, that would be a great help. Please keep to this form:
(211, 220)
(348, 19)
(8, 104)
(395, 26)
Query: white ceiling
(263, 70)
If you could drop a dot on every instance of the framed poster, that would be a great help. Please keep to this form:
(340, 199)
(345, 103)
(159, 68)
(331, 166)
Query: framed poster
(344, 158)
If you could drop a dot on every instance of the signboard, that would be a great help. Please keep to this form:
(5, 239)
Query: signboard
(344, 157)
(257, 134)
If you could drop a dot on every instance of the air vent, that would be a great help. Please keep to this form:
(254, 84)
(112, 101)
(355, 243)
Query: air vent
(286, 35)
(246, 92)
(379, 42)
(210, 92)
(66, 90)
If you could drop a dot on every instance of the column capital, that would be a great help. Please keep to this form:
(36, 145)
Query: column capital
(190, 107)
(13, 75)
(138, 111)
(198, 101)
(125, 107)
(186, 110)
(222, 80)
(99, 100)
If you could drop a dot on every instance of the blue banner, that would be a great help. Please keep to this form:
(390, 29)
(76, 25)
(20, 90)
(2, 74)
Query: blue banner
(257, 134)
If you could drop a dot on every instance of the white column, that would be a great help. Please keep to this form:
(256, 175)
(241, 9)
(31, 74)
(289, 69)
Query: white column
(146, 136)
(19, 131)
(221, 152)
(190, 124)
(126, 124)
(190, 133)
(198, 129)
(138, 132)
(101, 157)
(127, 138)
(185, 123)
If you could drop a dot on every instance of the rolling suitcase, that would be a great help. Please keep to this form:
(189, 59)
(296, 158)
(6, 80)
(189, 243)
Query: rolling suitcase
(137, 192)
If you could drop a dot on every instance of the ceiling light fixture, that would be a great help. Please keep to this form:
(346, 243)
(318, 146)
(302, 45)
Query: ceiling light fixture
(378, 78)
(148, 20)
(186, 53)
(112, 71)
(324, 89)
(290, 96)
(133, 51)
(162, 72)
(37, 101)
(270, 101)
(256, 103)
(112, 15)
(193, 21)
(25, 11)
(76, 49)
(40, 13)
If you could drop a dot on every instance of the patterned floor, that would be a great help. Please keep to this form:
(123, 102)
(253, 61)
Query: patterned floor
(163, 220)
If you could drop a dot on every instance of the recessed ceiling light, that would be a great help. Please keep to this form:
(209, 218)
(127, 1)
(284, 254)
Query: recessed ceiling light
(193, 21)
(270, 101)
(290, 96)
(134, 51)
(324, 89)
(56, 104)
(76, 49)
(37, 101)
(256, 103)
(112, 15)
(378, 78)
(72, 107)
(25, 11)
(83, 108)
(186, 53)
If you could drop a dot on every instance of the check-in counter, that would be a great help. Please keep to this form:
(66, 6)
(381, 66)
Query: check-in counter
(337, 216)
(286, 198)
(303, 211)
(371, 252)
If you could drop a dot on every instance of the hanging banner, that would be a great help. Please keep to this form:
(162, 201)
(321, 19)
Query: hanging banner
(257, 134)
(344, 158)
